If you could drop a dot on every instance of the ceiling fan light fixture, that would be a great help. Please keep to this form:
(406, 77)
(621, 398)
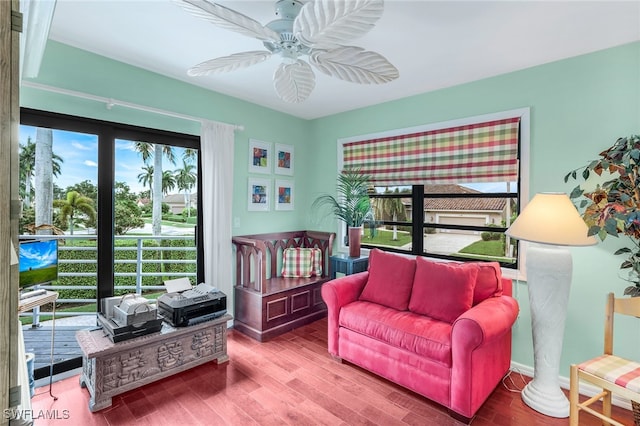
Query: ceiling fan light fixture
(317, 28)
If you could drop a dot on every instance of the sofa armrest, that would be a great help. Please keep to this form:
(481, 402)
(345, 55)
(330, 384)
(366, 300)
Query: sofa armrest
(488, 319)
(336, 294)
(481, 352)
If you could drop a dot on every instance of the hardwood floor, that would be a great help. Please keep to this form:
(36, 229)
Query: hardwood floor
(290, 380)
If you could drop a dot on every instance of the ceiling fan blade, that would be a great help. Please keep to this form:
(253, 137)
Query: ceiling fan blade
(330, 22)
(228, 19)
(294, 82)
(354, 64)
(229, 63)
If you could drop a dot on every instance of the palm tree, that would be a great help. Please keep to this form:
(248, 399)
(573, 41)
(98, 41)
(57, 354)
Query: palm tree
(190, 155)
(186, 179)
(155, 151)
(74, 204)
(168, 182)
(146, 178)
(27, 169)
(394, 208)
(44, 178)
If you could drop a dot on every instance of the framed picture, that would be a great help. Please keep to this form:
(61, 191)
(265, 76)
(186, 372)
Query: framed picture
(260, 154)
(284, 159)
(259, 196)
(284, 195)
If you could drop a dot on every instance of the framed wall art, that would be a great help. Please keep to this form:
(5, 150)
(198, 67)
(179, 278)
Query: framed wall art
(260, 156)
(284, 159)
(284, 194)
(259, 194)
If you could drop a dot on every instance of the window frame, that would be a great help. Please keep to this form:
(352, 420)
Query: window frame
(417, 201)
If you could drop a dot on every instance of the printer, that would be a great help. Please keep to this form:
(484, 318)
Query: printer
(184, 305)
(128, 316)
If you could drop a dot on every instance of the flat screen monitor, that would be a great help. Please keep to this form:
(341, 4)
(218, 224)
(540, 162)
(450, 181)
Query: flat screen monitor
(38, 262)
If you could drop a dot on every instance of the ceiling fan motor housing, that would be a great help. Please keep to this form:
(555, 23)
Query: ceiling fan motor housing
(288, 46)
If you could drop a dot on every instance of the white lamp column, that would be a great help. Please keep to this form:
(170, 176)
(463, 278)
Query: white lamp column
(551, 220)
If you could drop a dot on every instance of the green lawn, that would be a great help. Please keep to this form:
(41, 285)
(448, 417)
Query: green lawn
(170, 223)
(486, 248)
(385, 238)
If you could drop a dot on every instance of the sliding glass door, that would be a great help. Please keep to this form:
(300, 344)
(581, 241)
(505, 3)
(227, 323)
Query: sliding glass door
(156, 215)
(121, 201)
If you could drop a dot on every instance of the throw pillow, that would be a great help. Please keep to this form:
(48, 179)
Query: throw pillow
(390, 280)
(489, 281)
(297, 262)
(442, 291)
(316, 262)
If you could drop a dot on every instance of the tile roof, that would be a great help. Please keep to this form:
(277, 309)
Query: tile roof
(461, 204)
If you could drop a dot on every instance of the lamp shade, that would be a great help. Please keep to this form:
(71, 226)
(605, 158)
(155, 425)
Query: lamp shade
(551, 218)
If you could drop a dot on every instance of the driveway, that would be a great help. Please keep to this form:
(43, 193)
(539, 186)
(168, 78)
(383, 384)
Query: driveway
(447, 243)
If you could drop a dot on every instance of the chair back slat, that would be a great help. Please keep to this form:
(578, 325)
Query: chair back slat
(628, 306)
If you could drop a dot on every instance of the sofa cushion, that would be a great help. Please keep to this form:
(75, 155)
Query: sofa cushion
(442, 291)
(390, 280)
(488, 282)
(403, 329)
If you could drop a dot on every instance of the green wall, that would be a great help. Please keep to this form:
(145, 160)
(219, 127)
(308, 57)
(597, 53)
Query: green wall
(579, 106)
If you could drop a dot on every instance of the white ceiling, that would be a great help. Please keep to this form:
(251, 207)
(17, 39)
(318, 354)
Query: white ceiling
(434, 44)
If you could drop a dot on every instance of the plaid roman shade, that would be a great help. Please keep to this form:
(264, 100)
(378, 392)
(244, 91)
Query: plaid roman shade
(481, 152)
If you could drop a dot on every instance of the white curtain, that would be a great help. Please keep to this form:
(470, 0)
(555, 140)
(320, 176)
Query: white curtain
(216, 147)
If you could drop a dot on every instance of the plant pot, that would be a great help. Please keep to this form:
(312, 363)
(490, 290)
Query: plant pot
(355, 236)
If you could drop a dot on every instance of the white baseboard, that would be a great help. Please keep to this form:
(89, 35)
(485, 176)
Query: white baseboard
(585, 388)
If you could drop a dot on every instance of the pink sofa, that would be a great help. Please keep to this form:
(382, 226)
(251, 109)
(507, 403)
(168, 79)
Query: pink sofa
(441, 329)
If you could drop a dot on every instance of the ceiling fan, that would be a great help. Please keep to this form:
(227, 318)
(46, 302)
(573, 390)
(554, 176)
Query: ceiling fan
(316, 29)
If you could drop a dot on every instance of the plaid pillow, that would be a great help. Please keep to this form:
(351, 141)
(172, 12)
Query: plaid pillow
(301, 262)
(316, 268)
(297, 262)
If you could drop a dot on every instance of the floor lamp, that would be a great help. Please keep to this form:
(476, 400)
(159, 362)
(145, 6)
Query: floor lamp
(552, 221)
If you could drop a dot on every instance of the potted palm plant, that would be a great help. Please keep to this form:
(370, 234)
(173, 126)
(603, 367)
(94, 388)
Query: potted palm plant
(613, 207)
(352, 205)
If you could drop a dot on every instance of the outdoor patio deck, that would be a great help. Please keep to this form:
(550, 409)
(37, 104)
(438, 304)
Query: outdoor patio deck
(66, 352)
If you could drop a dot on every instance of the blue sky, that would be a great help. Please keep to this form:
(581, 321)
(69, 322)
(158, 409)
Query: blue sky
(80, 154)
(38, 254)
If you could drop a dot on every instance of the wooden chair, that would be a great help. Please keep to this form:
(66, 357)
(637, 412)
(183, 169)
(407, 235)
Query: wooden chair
(609, 372)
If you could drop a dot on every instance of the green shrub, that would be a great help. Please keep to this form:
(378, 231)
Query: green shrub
(191, 213)
(491, 236)
(125, 250)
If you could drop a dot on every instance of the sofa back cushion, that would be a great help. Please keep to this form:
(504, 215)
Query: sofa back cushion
(442, 291)
(390, 280)
(489, 281)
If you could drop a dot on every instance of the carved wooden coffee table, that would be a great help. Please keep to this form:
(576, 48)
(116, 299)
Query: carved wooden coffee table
(109, 369)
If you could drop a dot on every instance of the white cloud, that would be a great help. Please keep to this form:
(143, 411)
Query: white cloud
(124, 145)
(81, 146)
(90, 163)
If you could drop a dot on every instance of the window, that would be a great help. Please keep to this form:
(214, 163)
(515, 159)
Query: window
(447, 190)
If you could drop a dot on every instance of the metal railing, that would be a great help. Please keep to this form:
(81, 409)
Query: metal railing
(148, 258)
